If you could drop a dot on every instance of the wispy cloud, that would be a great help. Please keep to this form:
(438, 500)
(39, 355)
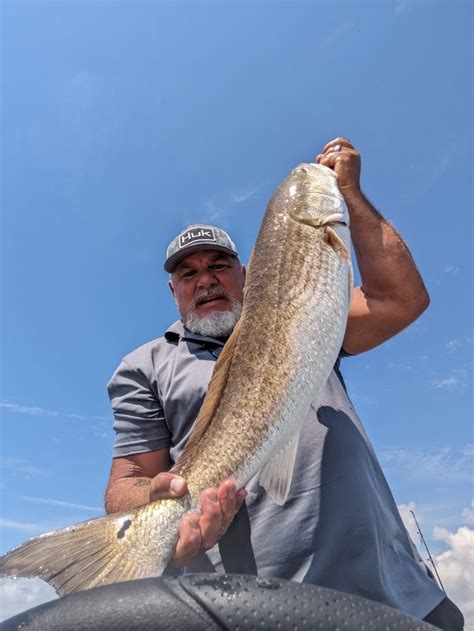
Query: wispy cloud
(400, 365)
(38, 411)
(218, 210)
(20, 525)
(451, 270)
(18, 465)
(468, 514)
(446, 274)
(454, 345)
(360, 398)
(20, 594)
(243, 195)
(417, 363)
(455, 381)
(468, 450)
(213, 211)
(59, 503)
(446, 465)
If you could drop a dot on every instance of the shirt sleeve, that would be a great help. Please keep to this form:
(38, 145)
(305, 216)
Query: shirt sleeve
(139, 419)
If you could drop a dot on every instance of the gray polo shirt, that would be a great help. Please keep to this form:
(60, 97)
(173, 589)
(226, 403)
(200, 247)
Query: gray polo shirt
(340, 526)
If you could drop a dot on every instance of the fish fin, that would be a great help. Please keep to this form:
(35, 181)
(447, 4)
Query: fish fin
(337, 243)
(277, 474)
(213, 398)
(78, 557)
(350, 286)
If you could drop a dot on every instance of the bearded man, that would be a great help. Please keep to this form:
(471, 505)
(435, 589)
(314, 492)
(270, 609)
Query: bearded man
(340, 527)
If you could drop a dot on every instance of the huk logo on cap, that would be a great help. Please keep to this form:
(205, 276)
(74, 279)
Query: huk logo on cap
(195, 235)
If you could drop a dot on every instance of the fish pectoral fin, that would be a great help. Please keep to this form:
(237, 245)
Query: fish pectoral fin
(350, 285)
(277, 474)
(337, 243)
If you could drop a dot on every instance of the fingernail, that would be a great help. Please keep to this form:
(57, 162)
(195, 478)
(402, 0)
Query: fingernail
(177, 485)
(231, 493)
(213, 496)
(194, 523)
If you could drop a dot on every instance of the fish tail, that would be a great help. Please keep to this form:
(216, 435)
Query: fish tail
(114, 548)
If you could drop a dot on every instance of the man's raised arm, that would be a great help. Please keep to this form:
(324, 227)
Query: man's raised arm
(392, 294)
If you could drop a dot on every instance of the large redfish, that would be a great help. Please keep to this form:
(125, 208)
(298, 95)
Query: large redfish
(280, 354)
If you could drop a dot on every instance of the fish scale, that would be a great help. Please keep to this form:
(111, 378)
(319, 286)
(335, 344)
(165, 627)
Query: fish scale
(280, 354)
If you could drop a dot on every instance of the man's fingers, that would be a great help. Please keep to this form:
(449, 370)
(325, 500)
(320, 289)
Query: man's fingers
(241, 495)
(330, 159)
(343, 142)
(167, 485)
(231, 500)
(189, 542)
(348, 156)
(227, 493)
(200, 533)
(211, 518)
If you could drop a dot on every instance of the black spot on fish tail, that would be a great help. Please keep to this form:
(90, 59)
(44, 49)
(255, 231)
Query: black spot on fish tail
(125, 526)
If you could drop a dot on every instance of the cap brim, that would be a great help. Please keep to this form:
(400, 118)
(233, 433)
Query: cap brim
(171, 263)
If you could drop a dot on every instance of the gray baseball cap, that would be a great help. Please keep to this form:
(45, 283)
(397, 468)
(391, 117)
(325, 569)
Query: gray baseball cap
(194, 238)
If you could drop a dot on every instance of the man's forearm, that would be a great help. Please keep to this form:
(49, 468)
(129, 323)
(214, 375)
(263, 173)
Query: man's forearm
(127, 494)
(387, 269)
(392, 294)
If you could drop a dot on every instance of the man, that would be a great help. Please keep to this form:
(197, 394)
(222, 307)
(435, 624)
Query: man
(340, 527)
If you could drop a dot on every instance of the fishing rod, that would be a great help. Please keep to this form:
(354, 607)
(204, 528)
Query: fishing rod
(429, 554)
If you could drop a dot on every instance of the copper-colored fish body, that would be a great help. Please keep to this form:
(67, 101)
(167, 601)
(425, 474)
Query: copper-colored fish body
(297, 298)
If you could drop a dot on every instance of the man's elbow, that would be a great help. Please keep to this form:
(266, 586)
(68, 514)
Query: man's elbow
(114, 499)
(412, 308)
(108, 501)
(421, 304)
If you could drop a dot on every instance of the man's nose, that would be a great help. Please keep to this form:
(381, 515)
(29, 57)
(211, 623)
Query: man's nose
(206, 278)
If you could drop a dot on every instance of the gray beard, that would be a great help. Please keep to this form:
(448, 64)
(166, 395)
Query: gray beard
(217, 324)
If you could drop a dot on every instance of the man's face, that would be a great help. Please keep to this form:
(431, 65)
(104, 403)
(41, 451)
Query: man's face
(207, 282)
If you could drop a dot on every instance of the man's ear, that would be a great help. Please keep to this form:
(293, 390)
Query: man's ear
(170, 285)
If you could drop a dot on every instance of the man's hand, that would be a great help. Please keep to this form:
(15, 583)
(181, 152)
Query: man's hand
(198, 533)
(341, 156)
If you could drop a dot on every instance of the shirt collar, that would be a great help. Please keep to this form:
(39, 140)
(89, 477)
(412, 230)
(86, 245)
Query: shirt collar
(177, 332)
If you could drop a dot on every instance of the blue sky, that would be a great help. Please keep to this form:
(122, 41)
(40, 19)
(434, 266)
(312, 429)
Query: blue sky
(124, 122)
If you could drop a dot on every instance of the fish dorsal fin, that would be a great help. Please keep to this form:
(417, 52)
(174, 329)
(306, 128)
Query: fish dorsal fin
(213, 397)
(277, 474)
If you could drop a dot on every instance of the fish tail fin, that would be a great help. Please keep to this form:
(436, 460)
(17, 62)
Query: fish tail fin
(105, 550)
